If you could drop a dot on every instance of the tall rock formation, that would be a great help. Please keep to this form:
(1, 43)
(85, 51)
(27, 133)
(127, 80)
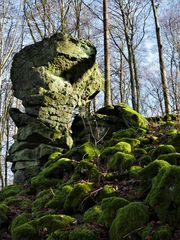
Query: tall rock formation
(52, 78)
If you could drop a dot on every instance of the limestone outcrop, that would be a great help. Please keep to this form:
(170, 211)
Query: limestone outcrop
(52, 78)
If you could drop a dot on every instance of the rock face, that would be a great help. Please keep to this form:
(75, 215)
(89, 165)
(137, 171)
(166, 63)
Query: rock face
(52, 78)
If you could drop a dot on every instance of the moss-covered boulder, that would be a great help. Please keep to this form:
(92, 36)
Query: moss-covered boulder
(76, 195)
(86, 170)
(129, 133)
(128, 220)
(150, 171)
(121, 162)
(172, 158)
(92, 214)
(88, 151)
(32, 230)
(58, 199)
(83, 233)
(41, 199)
(164, 196)
(126, 115)
(104, 192)
(162, 232)
(54, 173)
(144, 160)
(162, 149)
(9, 191)
(109, 208)
(3, 214)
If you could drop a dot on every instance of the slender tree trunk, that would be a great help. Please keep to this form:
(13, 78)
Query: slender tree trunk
(107, 88)
(121, 80)
(63, 27)
(161, 60)
(137, 85)
(130, 56)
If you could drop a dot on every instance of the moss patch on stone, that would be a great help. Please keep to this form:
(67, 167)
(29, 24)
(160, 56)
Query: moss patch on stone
(121, 162)
(162, 232)
(162, 149)
(3, 214)
(83, 233)
(172, 158)
(92, 214)
(88, 151)
(164, 196)
(129, 219)
(58, 199)
(11, 190)
(109, 208)
(54, 173)
(76, 196)
(86, 170)
(150, 171)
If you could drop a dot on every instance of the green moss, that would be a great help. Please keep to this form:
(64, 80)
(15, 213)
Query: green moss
(92, 214)
(105, 192)
(59, 235)
(88, 151)
(41, 200)
(162, 149)
(51, 175)
(175, 140)
(76, 196)
(129, 132)
(3, 213)
(59, 198)
(134, 171)
(11, 190)
(138, 152)
(55, 156)
(132, 141)
(121, 162)
(32, 230)
(156, 233)
(21, 202)
(19, 220)
(164, 196)
(86, 169)
(109, 208)
(150, 171)
(172, 158)
(24, 231)
(52, 222)
(131, 117)
(123, 147)
(145, 160)
(129, 218)
(82, 233)
(107, 154)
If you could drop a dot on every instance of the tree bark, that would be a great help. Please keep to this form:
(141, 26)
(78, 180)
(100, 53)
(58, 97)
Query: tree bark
(161, 60)
(107, 87)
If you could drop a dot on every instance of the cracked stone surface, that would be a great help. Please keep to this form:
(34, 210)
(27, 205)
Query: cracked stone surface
(52, 78)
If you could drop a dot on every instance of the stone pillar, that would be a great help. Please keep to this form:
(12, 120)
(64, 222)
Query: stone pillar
(52, 78)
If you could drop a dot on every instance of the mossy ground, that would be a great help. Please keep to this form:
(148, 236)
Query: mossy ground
(126, 187)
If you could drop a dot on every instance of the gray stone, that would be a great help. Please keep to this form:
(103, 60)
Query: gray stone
(52, 78)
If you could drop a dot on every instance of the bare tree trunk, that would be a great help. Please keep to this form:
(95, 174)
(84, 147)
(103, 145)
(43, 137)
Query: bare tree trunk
(161, 60)
(107, 88)
(121, 80)
(63, 27)
(137, 85)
